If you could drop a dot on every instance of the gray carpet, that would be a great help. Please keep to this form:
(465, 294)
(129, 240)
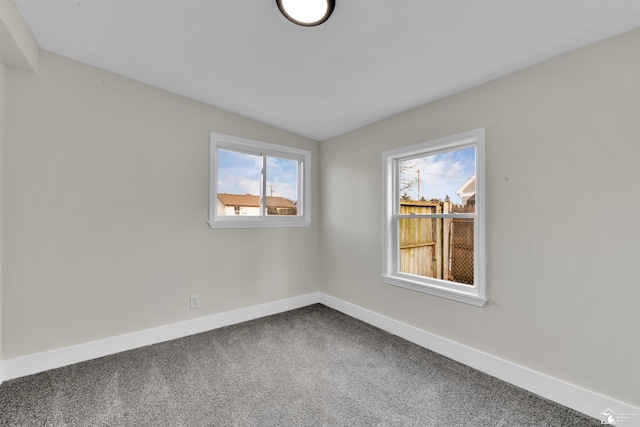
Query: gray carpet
(308, 367)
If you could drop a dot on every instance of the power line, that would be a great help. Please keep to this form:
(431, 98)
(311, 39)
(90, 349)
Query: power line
(436, 174)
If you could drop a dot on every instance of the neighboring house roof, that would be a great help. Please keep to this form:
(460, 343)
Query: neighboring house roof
(468, 188)
(251, 200)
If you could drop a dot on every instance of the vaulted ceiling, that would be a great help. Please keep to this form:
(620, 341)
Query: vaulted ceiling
(370, 60)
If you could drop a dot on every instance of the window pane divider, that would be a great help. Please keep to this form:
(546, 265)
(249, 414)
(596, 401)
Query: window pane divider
(443, 215)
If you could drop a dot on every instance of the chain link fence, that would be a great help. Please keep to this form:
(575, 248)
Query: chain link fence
(461, 259)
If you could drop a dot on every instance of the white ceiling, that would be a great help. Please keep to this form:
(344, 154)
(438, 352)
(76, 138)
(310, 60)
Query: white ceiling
(371, 60)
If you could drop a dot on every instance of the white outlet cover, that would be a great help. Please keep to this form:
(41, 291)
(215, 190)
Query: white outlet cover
(195, 301)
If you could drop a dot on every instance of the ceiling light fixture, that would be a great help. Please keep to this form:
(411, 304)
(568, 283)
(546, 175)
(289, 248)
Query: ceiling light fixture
(307, 13)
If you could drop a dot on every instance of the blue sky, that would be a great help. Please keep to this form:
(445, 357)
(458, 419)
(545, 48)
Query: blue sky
(239, 173)
(440, 174)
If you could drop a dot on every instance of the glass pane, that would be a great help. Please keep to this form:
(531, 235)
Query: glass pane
(441, 248)
(447, 177)
(282, 186)
(238, 183)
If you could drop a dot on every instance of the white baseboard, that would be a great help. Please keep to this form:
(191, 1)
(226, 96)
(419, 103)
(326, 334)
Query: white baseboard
(32, 364)
(572, 396)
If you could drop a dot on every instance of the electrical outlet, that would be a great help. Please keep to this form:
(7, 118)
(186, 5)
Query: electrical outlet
(195, 301)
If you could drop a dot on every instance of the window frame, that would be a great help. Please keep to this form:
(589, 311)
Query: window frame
(263, 149)
(474, 295)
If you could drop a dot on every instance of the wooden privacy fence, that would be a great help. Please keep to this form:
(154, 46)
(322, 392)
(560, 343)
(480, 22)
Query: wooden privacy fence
(441, 248)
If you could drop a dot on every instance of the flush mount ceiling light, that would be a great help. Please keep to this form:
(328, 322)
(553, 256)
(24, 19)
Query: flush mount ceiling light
(307, 13)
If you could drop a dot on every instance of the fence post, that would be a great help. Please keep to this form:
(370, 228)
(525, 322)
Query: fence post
(446, 239)
(438, 239)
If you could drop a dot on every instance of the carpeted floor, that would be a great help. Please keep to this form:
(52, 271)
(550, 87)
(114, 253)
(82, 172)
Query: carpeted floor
(308, 367)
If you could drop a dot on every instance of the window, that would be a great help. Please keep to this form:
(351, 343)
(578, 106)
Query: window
(258, 184)
(434, 217)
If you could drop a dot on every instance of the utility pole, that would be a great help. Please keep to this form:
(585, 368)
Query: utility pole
(272, 191)
(418, 184)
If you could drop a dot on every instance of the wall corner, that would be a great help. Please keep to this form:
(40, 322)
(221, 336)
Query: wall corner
(18, 47)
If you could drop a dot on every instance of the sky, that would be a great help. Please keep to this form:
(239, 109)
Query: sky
(440, 174)
(239, 173)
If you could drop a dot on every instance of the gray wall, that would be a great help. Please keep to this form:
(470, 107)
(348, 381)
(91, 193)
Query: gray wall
(562, 205)
(106, 203)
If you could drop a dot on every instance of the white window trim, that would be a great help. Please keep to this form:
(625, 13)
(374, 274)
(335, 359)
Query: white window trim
(218, 140)
(476, 294)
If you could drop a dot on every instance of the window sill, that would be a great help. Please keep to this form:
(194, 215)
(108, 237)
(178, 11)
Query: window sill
(466, 296)
(258, 223)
